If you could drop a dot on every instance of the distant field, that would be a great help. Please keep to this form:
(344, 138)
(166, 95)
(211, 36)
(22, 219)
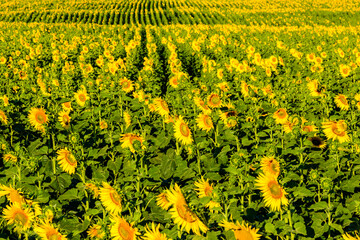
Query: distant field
(164, 12)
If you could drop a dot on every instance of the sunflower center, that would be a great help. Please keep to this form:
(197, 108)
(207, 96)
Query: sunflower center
(184, 130)
(115, 198)
(207, 121)
(21, 218)
(343, 100)
(215, 100)
(185, 213)
(70, 159)
(316, 141)
(125, 84)
(67, 104)
(243, 235)
(82, 97)
(124, 232)
(52, 236)
(208, 190)
(335, 129)
(345, 71)
(40, 118)
(281, 113)
(273, 167)
(175, 81)
(66, 119)
(275, 189)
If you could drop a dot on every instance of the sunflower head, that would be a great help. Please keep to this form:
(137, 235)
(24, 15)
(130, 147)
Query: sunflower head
(81, 97)
(21, 217)
(317, 142)
(111, 199)
(204, 122)
(270, 166)
(38, 118)
(182, 131)
(214, 100)
(122, 230)
(281, 116)
(66, 160)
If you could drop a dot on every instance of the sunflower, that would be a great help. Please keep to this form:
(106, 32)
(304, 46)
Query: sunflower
(281, 116)
(3, 118)
(342, 102)
(95, 232)
(182, 131)
(273, 193)
(161, 106)
(201, 104)
(66, 106)
(204, 189)
(126, 85)
(344, 70)
(214, 100)
(347, 236)
(317, 142)
(244, 88)
(9, 158)
(204, 122)
(182, 214)
(110, 199)
(336, 130)
(174, 81)
(66, 160)
(154, 233)
(15, 214)
(81, 97)
(121, 230)
(103, 124)
(289, 125)
(241, 231)
(47, 231)
(127, 119)
(128, 140)
(13, 195)
(270, 166)
(64, 119)
(309, 128)
(162, 201)
(313, 87)
(38, 118)
(93, 188)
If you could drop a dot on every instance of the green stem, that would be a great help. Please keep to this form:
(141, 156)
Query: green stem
(290, 223)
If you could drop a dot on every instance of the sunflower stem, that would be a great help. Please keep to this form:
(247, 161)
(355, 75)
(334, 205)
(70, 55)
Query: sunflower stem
(291, 225)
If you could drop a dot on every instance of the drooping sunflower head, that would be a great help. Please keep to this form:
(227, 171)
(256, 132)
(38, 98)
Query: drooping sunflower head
(128, 140)
(38, 118)
(154, 233)
(161, 106)
(162, 201)
(204, 189)
(214, 100)
(317, 142)
(122, 230)
(110, 198)
(95, 231)
(182, 214)
(21, 217)
(64, 119)
(281, 116)
(342, 102)
(66, 160)
(274, 194)
(81, 97)
(204, 122)
(182, 131)
(270, 166)
(47, 231)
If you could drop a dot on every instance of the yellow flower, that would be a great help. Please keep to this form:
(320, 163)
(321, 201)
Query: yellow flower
(81, 97)
(93, 188)
(126, 85)
(103, 124)
(182, 131)
(336, 130)
(46, 231)
(281, 116)
(182, 214)
(121, 230)
(66, 160)
(110, 199)
(9, 157)
(162, 201)
(15, 214)
(64, 119)
(347, 236)
(3, 117)
(273, 193)
(127, 119)
(128, 139)
(241, 231)
(154, 233)
(344, 70)
(204, 122)
(38, 118)
(204, 189)
(95, 232)
(161, 106)
(270, 166)
(317, 142)
(214, 100)
(13, 195)
(201, 104)
(342, 102)
(174, 81)
(66, 106)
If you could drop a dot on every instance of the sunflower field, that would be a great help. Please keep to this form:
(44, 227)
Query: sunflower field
(169, 119)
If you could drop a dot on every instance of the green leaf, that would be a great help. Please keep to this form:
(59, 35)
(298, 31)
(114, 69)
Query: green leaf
(300, 228)
(319, 206)
(301, 192)
(270, 228)
(69, 195)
